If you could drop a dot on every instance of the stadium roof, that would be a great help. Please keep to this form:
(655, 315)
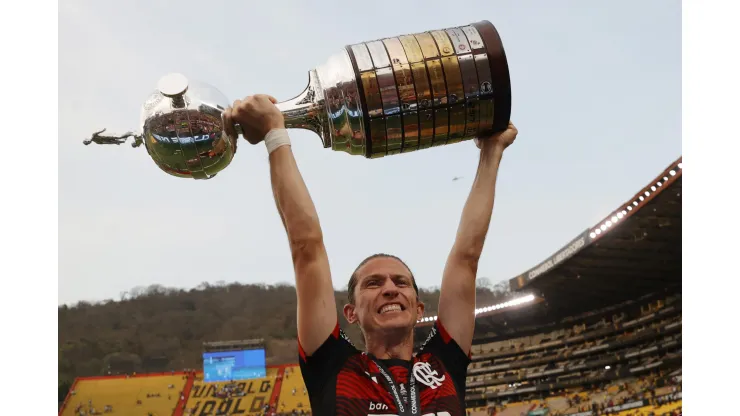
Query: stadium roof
(633, 252)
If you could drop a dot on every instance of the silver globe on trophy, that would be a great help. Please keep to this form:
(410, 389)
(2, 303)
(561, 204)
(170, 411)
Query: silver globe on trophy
(379, 98)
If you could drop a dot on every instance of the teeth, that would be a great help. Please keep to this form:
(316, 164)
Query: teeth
(388, 308)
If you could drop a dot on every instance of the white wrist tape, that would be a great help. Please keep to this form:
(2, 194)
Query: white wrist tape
(276, 138)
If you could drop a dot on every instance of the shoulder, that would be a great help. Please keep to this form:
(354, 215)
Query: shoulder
(326, 362)
(336, 342)
(439, 341)
(439, 345)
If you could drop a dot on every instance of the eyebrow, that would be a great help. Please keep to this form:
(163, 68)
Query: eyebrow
(372, 276)
(380, 276)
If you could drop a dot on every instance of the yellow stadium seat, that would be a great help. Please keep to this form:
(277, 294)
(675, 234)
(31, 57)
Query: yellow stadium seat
(477, 411)
(515, 409)
(658, 411)
(258, 393)
(139, 395)
(293, 381)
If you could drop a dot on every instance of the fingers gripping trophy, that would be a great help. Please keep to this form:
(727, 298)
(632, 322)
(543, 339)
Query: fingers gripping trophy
(373, 99)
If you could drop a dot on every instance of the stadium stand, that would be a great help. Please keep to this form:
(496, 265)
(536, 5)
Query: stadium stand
(293, 394)
(602, 334)
(594, 329)
(146, 394)
(246, 397)
(628, 362)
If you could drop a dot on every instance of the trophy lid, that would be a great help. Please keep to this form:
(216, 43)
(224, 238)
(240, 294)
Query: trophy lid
(172, 85)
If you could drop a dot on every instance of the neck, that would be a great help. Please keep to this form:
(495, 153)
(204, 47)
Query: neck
(306, 110)
(386, 346)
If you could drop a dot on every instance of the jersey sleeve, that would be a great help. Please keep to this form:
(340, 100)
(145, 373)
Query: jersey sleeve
(440, 344)
(324, 364)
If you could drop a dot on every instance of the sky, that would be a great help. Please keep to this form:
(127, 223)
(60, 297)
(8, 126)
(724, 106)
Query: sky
(596, 90)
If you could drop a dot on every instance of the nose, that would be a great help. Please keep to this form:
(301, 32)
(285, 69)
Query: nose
(390, 290)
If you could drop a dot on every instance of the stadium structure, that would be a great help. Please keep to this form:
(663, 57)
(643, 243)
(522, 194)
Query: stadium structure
(594, 329)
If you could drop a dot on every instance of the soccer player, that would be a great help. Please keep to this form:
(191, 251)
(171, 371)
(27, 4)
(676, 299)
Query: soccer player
(387, 378)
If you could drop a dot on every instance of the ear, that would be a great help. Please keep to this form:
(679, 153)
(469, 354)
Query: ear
(349, 313)
(419, 310)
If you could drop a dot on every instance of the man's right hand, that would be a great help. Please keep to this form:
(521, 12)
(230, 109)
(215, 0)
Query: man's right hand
(256, 114)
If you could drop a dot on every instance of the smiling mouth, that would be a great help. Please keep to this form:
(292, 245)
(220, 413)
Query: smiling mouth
(393, 307)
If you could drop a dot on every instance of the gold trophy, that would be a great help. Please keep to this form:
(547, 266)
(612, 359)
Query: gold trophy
(374, 99)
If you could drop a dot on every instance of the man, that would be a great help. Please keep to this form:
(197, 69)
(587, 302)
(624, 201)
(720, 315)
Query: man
(99, 139)
(386, 379)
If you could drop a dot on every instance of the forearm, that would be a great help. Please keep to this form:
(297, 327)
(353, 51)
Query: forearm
(293, 201)
(476, 215)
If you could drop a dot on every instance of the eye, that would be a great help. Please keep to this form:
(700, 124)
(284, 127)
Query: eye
(402, 282)
(371, 283)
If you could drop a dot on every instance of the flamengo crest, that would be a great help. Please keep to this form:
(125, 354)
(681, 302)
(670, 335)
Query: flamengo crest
(425, 374)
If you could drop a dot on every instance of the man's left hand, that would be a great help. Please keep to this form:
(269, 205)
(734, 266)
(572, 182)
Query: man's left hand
(500, 140)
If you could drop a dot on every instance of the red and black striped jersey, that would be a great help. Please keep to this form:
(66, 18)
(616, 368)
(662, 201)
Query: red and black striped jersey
(343, 381)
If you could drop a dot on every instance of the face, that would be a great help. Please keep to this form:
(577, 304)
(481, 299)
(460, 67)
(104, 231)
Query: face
(385, 299)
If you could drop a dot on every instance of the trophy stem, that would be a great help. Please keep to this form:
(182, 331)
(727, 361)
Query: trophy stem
(306, 110)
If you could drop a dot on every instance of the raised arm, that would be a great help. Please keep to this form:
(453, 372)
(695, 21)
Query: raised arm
(457, 297)
(317, 314)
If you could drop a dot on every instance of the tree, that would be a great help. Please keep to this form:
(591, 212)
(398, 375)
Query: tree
(157, 326)
(64, 386)
(483, 282)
